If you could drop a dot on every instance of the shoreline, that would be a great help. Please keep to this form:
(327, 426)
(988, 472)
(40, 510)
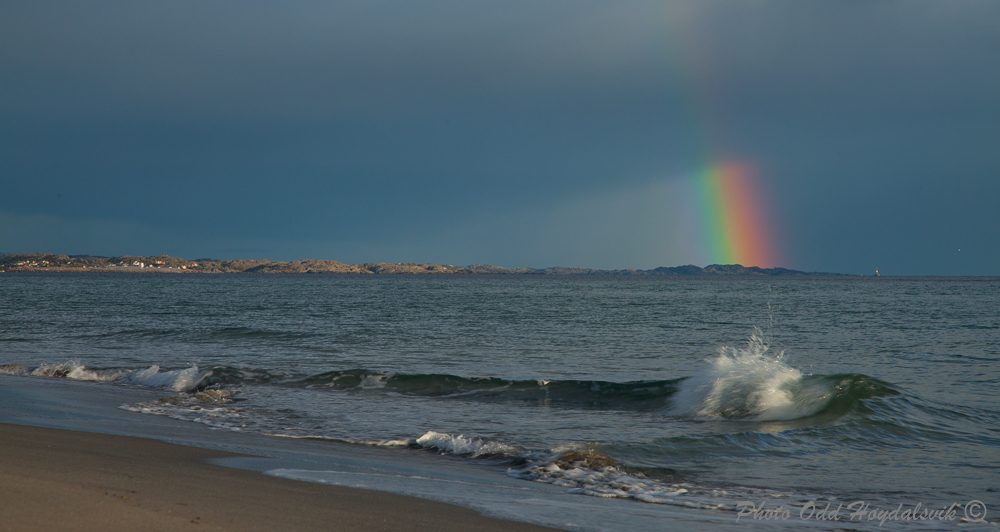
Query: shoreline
(468, 493)
(52, 479)
(539, 273)
(40, 262)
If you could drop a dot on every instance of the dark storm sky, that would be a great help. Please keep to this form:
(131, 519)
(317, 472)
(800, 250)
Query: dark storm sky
(513, 133)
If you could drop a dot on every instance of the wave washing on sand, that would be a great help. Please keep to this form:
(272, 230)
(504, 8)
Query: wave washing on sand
(739, 383)
(181, 380)
(584, 472)
(744, 383)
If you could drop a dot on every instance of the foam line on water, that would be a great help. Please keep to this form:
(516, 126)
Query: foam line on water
(179, 380)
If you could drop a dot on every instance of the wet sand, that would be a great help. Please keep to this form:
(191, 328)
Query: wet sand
(53, 479)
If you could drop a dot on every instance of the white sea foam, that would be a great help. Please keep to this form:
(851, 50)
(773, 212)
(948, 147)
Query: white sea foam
(14, 369)
(220, 417)
(750, 383)
(450, 444)
(376, 381)
(461, 445)
(181, 380)
(608, 482)
(614, 482)
(76, 371)
(208, 407)
(387, 443)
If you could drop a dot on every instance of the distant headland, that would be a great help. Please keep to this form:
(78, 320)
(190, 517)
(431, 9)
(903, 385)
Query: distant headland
(43, 262)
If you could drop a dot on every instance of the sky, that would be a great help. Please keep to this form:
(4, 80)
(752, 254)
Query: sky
(839, 136)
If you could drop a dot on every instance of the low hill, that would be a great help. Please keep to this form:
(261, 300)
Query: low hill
(44, 262)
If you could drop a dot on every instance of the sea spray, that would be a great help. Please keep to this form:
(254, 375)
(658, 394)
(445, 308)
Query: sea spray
(751, 383)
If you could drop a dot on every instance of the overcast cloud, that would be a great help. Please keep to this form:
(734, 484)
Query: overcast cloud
(518, 133)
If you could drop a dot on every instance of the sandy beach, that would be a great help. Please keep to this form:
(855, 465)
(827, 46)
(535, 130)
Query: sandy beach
(54, 479)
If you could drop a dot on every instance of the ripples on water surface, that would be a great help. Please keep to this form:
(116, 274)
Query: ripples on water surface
(661, 389)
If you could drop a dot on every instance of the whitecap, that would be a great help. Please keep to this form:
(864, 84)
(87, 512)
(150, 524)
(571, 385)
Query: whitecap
(462, 445)
(750, 383)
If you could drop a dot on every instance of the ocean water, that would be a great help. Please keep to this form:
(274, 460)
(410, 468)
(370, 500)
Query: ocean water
(715, 396)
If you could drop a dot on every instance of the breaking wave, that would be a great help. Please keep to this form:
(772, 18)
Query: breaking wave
(750, 383)
(76, 371)
(180, 380)
(747, 383)
(457, 445)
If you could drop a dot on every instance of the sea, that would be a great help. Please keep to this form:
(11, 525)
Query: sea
(578, 402)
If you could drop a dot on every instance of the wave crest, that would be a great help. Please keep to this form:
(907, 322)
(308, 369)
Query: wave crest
(636, 395)
(180, 380)
(750, 383)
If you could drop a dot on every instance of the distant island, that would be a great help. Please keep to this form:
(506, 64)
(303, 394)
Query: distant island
(42, 262)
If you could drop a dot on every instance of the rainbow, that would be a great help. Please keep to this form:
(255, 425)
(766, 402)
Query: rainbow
(730, 225)
(723, 218)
